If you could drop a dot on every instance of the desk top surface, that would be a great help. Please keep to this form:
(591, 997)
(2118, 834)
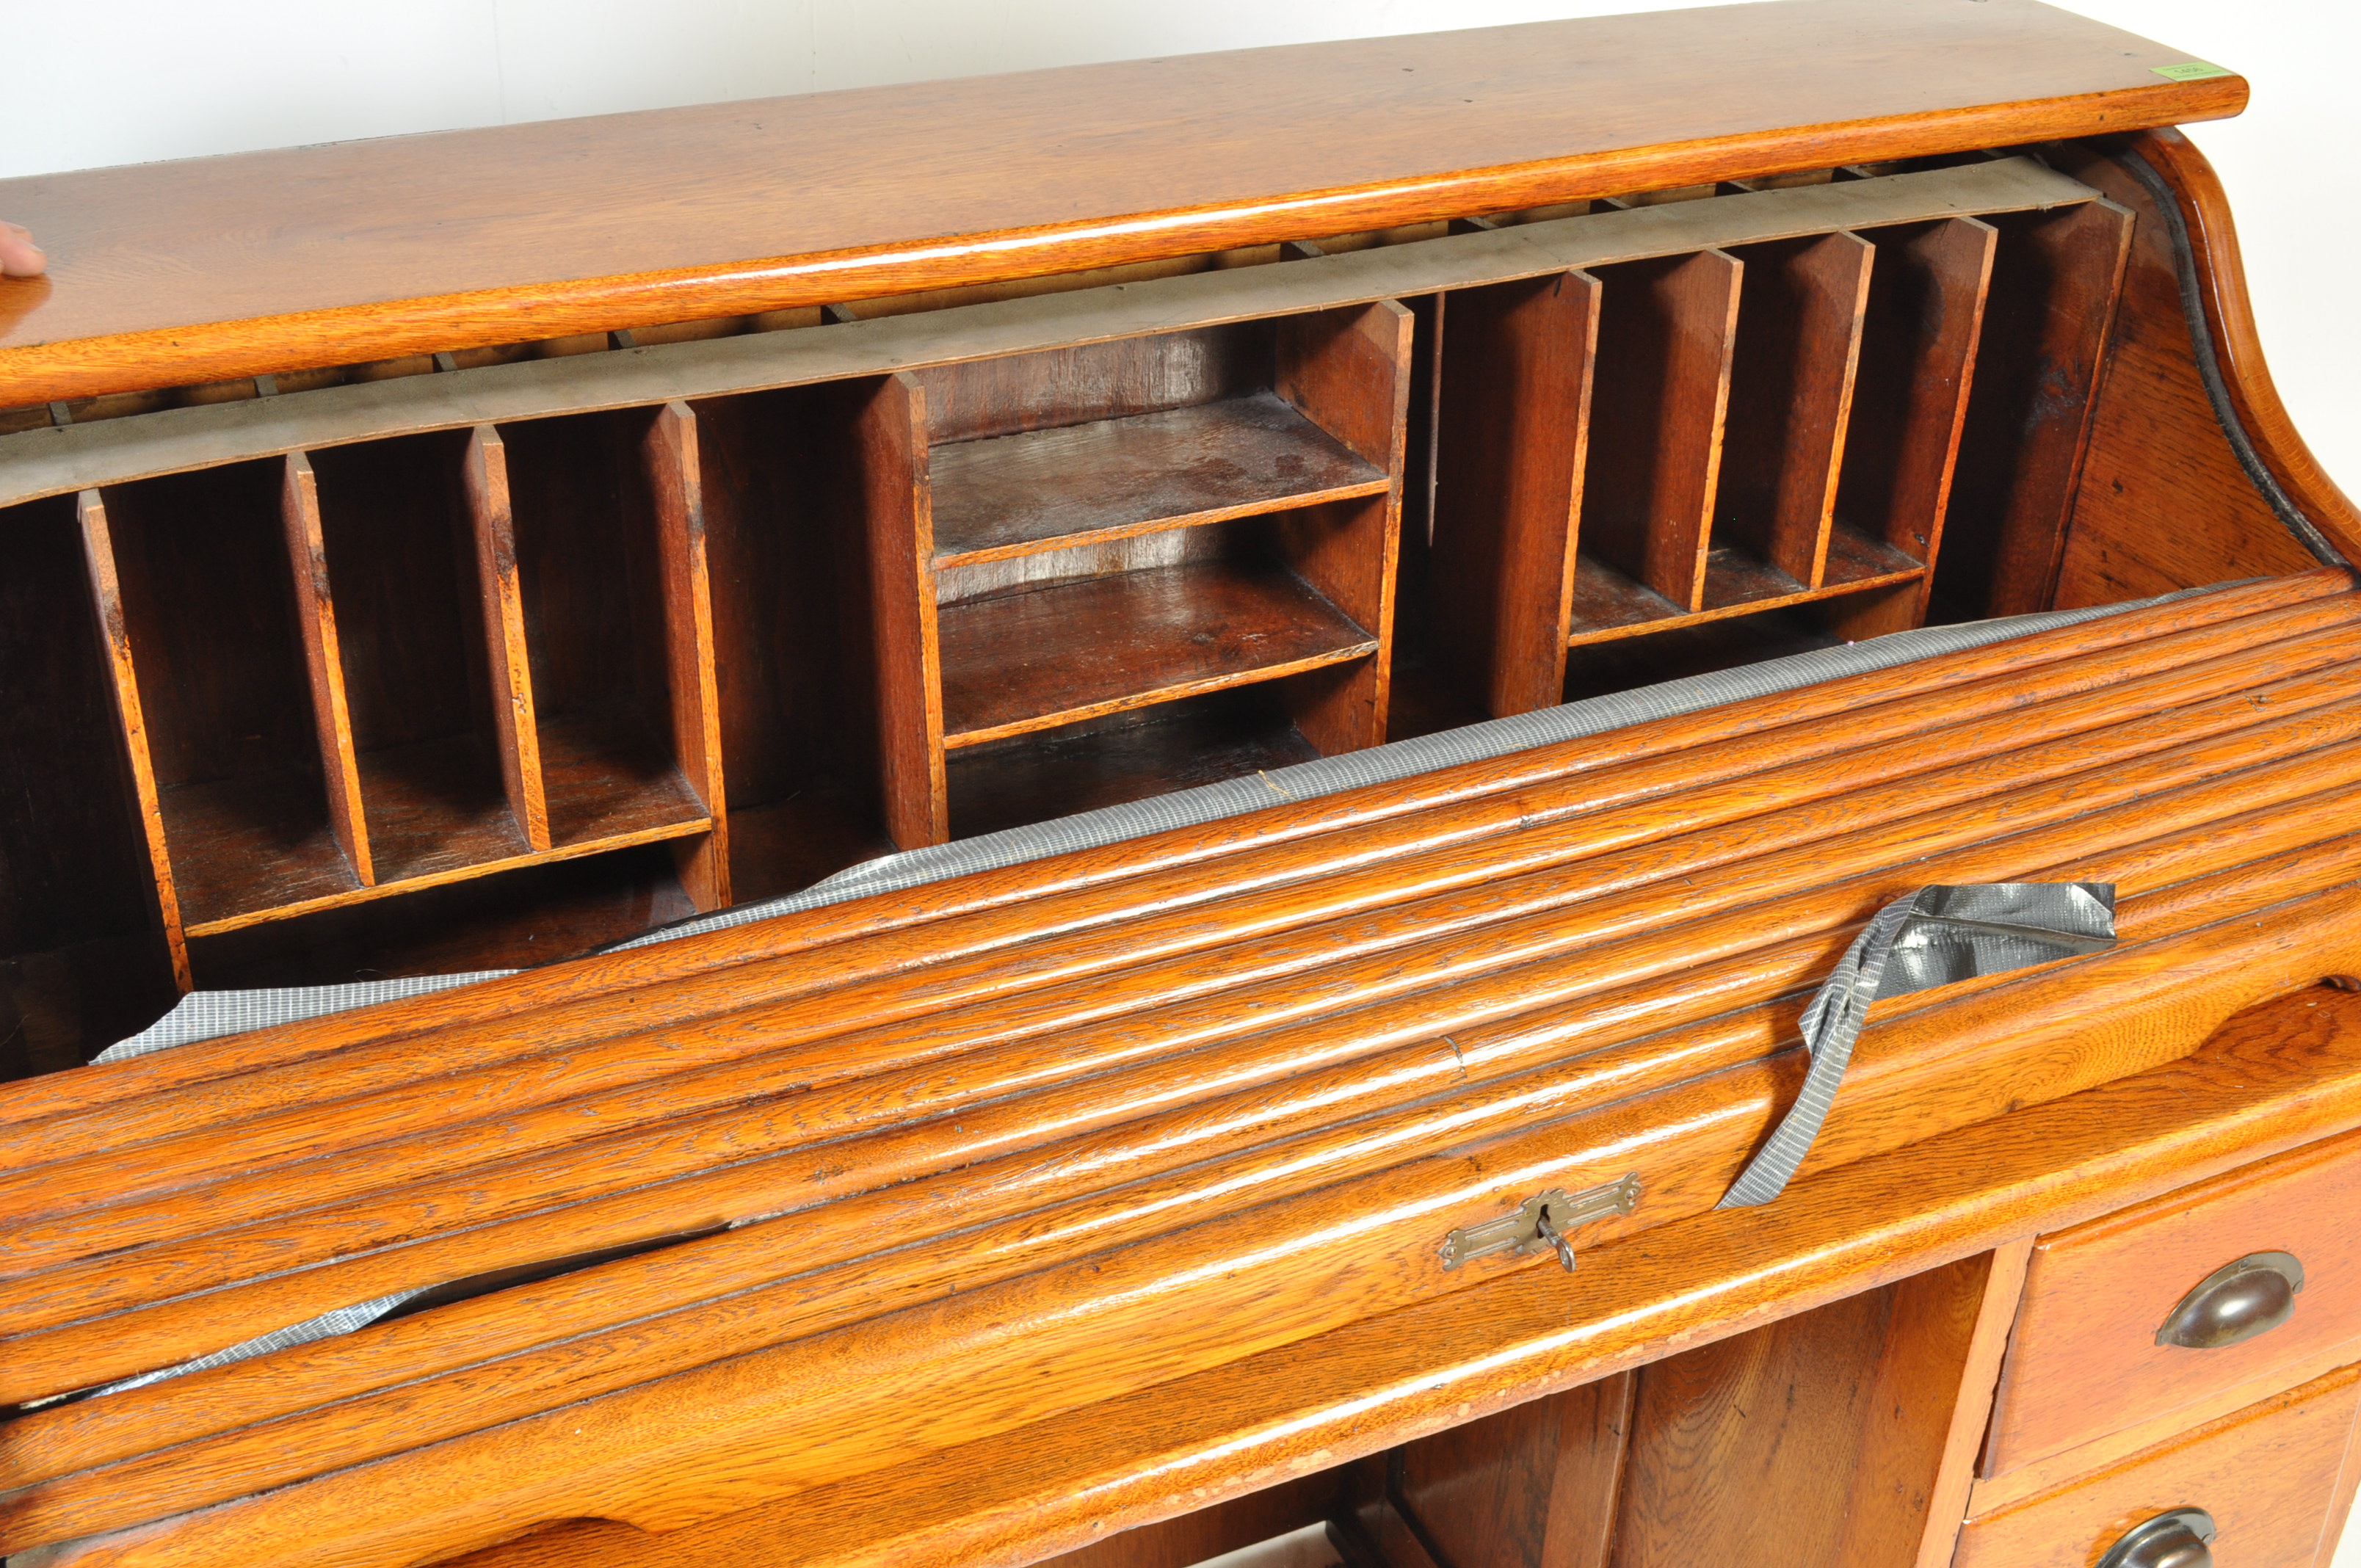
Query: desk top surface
(178, 272)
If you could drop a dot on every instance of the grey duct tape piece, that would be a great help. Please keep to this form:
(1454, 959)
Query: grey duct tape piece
(1936, 936)
(204, 1015)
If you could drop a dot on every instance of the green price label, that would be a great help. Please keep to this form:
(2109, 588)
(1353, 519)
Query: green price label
(2191, 70)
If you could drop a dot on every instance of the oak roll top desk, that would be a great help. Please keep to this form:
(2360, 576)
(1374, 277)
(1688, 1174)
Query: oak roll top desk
(464, 553)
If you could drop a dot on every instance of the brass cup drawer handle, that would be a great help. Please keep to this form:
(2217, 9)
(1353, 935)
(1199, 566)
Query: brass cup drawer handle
(2236, 1302)
(2176, 1538)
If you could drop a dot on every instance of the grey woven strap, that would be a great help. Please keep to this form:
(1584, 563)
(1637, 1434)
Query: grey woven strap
(1936, 936)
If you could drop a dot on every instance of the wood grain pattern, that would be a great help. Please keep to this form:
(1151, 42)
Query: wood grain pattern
(1349, 371)
(2047, 1475)
(1079, 329)
(508, 661)
(1665, 335)
(2085, 1359)
(2267, 1474)
(1030, 661)
(890, 493)
(1374, 133)
(1832, 804)
(2220, 273)
(1513, 422)
(2038, 363)
(1925, 316)
(1532, 1486)
(2159, 446)
(1197, 465)
(1970, 1397)
(2007, 1022)
(315, 618)
(1791, 390)
(106, 596)
(2272, 1079)
(669, 453)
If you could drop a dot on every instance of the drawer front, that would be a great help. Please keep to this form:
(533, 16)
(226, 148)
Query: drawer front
(2084, 1359)
(2271, 1478)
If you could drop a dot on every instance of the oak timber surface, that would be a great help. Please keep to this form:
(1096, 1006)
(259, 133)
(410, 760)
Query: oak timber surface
(205, 268)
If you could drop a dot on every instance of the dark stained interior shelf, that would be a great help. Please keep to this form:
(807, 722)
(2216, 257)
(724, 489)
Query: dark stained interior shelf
(1607, 604)
(1053, 655)
(247, 845)
(1107, 761)
(609, 781)
(1041, 490)
(436, 807)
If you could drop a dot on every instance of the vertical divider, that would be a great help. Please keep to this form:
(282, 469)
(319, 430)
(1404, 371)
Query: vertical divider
(1665, 335)
(2054, 284)
(1349, 371)
(106, 594)
(315, 618)
(1515, 423)
(1925, 313)
(508, 663)
(670, 456)
(894, 531)
(1791, 395)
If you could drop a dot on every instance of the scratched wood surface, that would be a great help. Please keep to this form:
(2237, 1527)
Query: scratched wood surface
(1088, 1106)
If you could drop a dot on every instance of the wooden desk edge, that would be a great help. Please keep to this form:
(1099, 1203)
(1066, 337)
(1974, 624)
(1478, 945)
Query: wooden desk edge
(1237, 1429)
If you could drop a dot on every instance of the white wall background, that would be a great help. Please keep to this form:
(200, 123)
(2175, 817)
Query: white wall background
(89, 83)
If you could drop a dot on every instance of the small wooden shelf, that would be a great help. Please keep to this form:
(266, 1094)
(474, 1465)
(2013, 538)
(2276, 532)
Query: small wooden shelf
(1607, 605)
(244, 846)
(609, 779)
(436, 807)
(1054, 655)
(352, 894)
(1200, 740)
(1042, 489)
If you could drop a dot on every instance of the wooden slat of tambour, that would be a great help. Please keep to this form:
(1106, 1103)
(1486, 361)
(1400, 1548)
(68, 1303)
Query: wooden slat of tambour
(2273, 1078)
(1349, 370)
(1925, 313)
(1666, 333)
(749, 1258)
(106, 594)
(900, 654)
(1512, 424)
(591, 999)
(2044, 339)
(315, 1130)
(315, 617)
(47, 1300)
(1791, 394)
(539, 230)
(777, 1422)
(2198, 902)
(507, 661)
(173, 1481)
(58, 461)
(668, 454)
(407, 1160)
(1395, 1071)
(1177, 878)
